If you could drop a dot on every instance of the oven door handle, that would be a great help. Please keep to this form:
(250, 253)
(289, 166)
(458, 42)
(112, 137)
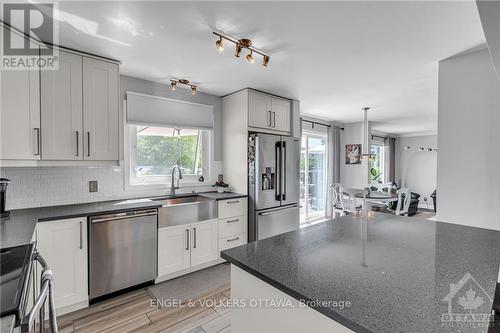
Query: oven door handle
(47, 291)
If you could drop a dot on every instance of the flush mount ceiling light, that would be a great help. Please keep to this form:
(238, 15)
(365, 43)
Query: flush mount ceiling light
(174, 82)
(241, 44)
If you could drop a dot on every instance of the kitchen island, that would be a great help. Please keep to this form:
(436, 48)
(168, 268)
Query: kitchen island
(378, 274)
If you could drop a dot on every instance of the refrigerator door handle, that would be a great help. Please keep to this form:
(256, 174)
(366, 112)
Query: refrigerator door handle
(283, 170)
(278, 171)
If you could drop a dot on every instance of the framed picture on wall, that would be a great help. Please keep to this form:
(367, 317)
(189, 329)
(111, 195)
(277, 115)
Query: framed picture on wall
(352, 153)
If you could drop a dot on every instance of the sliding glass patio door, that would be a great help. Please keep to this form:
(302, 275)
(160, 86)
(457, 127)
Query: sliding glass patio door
(313, 173)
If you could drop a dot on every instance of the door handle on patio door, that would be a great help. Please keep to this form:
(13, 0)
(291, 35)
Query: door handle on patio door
(278, 171)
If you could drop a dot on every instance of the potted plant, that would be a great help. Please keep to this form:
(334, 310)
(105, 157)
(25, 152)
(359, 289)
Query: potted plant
(375, 175)
(221, 186)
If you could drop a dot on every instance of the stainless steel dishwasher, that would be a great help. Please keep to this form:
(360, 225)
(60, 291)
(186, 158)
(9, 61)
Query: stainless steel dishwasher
(123, 250)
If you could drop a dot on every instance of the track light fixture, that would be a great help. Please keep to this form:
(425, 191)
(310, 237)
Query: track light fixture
(237, 51)
(250, 57)
(265, 61)
(173, 85)
(219, 45)
(241, 44)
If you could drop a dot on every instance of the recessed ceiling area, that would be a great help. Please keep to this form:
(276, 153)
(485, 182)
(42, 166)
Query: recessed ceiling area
(335, 57)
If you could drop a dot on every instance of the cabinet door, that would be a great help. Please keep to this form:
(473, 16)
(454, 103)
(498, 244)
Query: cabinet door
(281, 114)
(204, 242)
(63, 244)
(61, 110)
(173, 249)
(100, 110)
(19, 114)
(259, 110)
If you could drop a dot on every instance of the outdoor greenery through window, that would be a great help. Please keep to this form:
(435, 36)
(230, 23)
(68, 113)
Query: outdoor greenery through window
(156, 150)
(377, 164)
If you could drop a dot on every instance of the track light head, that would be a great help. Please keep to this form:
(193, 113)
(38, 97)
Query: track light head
(173, 85)
(250, 57)
(238, 50)
(219, 45)
(265, 61)
(193, 90)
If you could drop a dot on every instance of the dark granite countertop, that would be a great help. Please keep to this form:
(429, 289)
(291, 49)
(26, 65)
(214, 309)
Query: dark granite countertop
(18, 228)
(397, 272)
(222, 196)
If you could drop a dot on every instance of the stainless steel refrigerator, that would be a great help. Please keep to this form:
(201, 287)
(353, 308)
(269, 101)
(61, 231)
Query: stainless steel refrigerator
(273, 185)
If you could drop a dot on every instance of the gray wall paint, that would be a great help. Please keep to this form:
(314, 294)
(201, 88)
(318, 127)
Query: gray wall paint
(468, 186)
(128, 83)
(417, 169)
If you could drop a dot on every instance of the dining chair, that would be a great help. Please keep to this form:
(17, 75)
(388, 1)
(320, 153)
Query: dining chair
(404, 199)
(337, 198)
(352, 193)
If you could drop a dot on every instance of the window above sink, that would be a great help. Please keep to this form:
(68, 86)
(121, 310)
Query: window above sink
(155, 150)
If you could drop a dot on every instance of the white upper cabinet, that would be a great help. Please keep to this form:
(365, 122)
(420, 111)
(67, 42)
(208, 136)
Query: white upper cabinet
(100, 110)
(268, 112)
(61, 109)
(281, 114)
(259, 110)
(19, 115)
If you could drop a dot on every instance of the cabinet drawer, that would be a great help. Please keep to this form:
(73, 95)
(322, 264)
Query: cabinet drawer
(232, 241)
(232, 226)
(232, 207)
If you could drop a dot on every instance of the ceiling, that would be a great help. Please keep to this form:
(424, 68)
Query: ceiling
(335, 57)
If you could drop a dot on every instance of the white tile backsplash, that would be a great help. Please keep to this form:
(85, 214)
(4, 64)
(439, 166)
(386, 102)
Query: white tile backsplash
(51, 186)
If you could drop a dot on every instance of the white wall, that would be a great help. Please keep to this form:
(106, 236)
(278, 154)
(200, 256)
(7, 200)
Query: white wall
(417, 169)
(468, 181)
(352, 175)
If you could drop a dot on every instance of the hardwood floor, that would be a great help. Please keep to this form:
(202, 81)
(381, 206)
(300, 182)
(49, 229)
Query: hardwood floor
(137, 312)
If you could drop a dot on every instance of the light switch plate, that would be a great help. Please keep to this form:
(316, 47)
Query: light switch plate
(92, 185)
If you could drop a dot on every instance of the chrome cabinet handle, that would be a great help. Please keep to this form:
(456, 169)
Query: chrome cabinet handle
(187, 239)
(88, 144)
(274, 119)
(270, 121)
(232, 221)
(37, 130)
(194, 238)
(233, 202)
(233, 239)
(81, 235)
(77, 143)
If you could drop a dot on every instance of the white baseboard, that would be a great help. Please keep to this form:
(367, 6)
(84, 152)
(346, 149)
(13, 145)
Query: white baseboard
(70, 308)
(188, 270)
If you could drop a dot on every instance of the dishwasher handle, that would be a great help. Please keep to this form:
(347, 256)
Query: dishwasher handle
(122, 216)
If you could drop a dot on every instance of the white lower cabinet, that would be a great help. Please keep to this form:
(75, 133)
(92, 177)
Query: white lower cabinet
(63, 244)
(173, 250)
(186, 246)
(204, 242)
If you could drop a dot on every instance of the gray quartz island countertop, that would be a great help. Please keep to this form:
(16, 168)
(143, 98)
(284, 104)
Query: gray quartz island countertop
(399, 274)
